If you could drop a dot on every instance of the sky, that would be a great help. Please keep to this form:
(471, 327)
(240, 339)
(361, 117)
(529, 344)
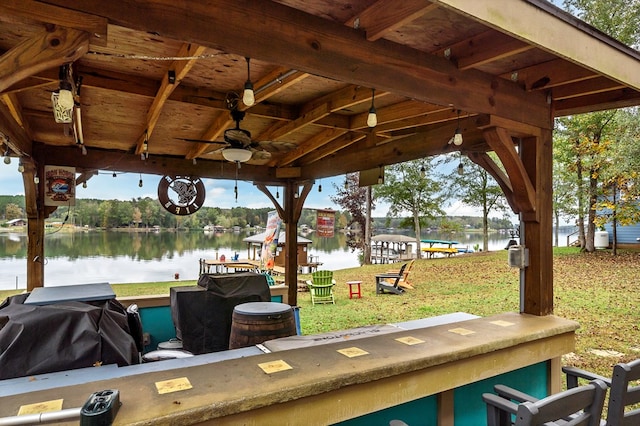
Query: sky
(219, 192)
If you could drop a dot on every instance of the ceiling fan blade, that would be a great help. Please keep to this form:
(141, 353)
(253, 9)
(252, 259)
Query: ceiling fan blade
(203, 141)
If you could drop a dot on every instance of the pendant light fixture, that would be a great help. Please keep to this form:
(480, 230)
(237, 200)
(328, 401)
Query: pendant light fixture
(372, 118)
(457, 136)
(145, 146)
(380, 175)
(460, 166)
(7, 159)
(62, 99)
(248, 97)
(423, 171)
(140, 181)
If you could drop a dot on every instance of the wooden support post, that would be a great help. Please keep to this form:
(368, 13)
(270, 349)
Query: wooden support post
(537, 156)
(34, 202)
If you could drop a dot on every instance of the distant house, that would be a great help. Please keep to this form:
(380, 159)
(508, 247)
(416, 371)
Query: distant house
(17, 222)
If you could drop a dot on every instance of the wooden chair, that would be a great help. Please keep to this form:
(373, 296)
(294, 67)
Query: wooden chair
(321, 287)
(404, 280)
(390, 282)
(622, 394)
(581, 406)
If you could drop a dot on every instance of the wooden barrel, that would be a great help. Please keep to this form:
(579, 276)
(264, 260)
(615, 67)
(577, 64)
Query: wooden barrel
(257, 322)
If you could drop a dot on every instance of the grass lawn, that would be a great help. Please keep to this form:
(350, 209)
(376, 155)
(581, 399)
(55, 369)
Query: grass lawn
(597, 290)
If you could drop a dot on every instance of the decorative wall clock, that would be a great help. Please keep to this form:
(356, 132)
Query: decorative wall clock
(181, 195)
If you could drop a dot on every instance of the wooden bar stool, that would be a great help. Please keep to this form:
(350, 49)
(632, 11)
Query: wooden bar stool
(354, 289)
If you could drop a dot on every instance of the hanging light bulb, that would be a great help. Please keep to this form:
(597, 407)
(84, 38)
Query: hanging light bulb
(144, 154)
(140, 181)
(36, 180)
(380, 175)
(320, 187)
(21, 167)
(460, 169)
(83, 149)
(7, 159)
(423, 171)
(248, 97)
(194, 161)
(114, 174)
(84, 184)
(457, 136)
(372, 118)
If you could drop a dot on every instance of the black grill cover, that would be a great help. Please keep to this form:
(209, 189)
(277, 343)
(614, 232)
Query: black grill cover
(202, 313)
(63, 336)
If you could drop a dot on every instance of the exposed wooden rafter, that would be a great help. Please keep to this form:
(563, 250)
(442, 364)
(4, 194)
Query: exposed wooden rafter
(51, 48)
(179, 68)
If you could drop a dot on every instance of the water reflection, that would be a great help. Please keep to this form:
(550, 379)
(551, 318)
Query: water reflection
(122, 257)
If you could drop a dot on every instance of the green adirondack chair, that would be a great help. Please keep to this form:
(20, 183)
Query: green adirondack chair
(321, 287)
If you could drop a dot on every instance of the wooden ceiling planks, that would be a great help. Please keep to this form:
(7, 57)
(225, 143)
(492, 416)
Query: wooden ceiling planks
(299, 102)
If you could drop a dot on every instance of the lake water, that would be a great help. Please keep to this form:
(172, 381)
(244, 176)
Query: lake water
(123, 257)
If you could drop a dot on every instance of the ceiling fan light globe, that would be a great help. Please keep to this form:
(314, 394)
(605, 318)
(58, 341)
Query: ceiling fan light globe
(238, 155)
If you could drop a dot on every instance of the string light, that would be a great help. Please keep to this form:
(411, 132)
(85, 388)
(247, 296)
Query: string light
(423, 171)
(84, 184)
(140, 181)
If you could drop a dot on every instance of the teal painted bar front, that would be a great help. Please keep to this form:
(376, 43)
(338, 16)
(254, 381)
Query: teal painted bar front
(157, 322)
(469, 409)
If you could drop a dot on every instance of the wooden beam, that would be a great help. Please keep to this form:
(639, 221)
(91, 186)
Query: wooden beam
(292, 38)
(537, 294)
(544, 26)
(96, 26)
(550, 74)
(310, 145)
(597, 102)
(400, 111)
(524, 192)
(585, 88)
(97, 159)
(48, 49)
(485, 48)
(180, 70)
(18, 138)
(483, 160)
(275, 82)
(332, 147)
(384, 16)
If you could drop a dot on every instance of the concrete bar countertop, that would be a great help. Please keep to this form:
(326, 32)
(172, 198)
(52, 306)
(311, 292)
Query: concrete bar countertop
(282, 387)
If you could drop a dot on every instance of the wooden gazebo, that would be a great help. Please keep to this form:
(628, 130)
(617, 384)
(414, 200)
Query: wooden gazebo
(156, 76)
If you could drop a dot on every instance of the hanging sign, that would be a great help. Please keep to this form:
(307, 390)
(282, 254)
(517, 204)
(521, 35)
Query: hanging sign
(186, 196)
(325, 223)
(270, 243)
(60, 186)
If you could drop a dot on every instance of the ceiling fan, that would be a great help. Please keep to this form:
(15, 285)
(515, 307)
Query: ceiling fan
(239, 148)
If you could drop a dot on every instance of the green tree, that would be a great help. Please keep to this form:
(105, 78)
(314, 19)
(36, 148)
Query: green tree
(472, 185)
(618, 18)
(353, 198)
(587, 138)
(13, 211)
(409, 188)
